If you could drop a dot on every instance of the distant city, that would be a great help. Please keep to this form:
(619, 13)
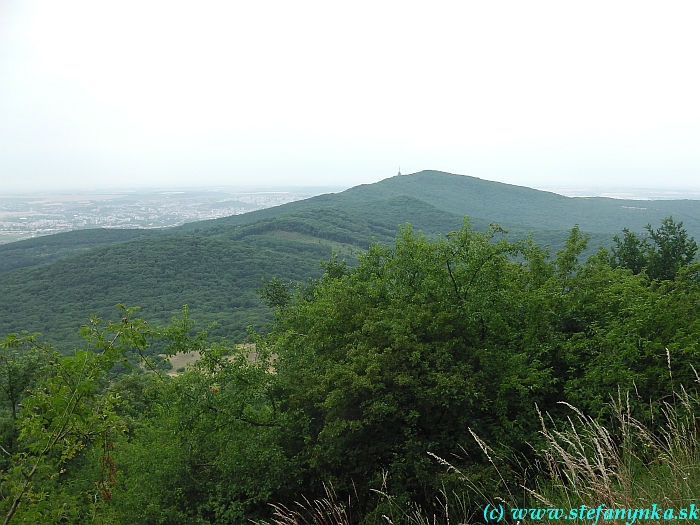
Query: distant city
(23, 216)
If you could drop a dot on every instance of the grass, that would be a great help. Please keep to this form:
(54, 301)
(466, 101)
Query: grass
(623, 463)
(181, 361)
(325, 511)
(627, 463)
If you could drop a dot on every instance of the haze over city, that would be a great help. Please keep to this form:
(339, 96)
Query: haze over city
(162, 94)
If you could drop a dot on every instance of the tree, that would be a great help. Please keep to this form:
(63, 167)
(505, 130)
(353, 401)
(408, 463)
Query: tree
(630, 252)
(402, 356)
(21, 360)
(673, 250)
(206, 450)
(275, 293)
(67, 414)
(60, 417)
(670, 250)
(22, 363)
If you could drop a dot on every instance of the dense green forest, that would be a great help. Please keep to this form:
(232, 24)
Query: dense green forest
(515, 208)
(432, 201)
(49, 248)
(416, 381)
(51, 284)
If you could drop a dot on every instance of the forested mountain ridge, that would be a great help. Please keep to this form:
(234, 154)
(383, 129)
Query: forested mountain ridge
(506, 204)
(535, 209)
(215, 271)
(433, 202)
(52, 284)
(462, 346)
(48, 248)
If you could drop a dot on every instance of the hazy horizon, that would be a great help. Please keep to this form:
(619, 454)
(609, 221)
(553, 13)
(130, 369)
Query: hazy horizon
(154, 93)
(613, 192)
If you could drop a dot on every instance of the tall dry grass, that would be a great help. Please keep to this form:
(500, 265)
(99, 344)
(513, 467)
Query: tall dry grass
(621, 463)
(329, 510)
(626, 463)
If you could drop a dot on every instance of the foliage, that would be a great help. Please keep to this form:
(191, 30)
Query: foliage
(614, 468)
(440, 198)
(21, 360)
(424, 342)
(50, 284)
(402, 355)
(368, 374)
(275, 293)
(624, 462)
(49, 248)
(67, 415)
(670, 250)
(207, 451)
(216, 277)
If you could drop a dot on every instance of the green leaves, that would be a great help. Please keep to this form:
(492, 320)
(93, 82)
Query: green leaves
(674, 250)
(669, 251)
(275, 293)
(402, 355)
(630, 252)
(68, 412)
(423, 341)
(207, 449)
(22, 358)
(61, 417)
(365, 371)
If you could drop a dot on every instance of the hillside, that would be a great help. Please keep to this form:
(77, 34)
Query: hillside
(215, 277)
(506, 204)
(49, 248)
(425, 350)
(215, 271)
(432, 201)
(52, 284)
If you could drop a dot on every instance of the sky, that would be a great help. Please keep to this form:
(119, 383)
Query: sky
(106, 94)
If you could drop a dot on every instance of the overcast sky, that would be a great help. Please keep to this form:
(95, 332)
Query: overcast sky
(148, 93)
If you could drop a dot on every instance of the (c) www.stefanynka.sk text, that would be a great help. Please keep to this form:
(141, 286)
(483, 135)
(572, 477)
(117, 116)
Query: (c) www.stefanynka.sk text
(499, 513)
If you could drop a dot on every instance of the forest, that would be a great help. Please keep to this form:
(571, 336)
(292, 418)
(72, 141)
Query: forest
(52, 284)
(417, 383)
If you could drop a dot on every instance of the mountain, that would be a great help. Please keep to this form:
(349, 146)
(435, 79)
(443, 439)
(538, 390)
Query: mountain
(49, 248)
(52, 284)
(506, 204)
